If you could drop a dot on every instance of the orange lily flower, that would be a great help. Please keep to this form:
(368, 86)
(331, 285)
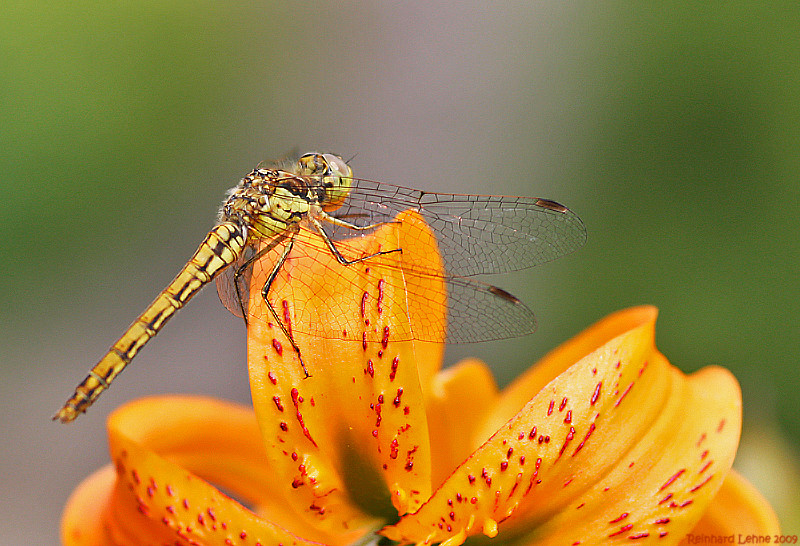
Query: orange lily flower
(602, 441)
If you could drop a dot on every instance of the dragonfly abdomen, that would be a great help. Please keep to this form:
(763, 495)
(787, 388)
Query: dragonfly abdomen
(222, 246)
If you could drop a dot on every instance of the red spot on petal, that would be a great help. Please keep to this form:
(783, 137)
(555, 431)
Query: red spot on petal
(396, 400)
(277, 346)
(287, 317)
(381, 283)
(672, 479)
(623, 529)
(701, 484)
(596, 393)
(619, 518)
(624, 394)
(567, 440)
(588, 433)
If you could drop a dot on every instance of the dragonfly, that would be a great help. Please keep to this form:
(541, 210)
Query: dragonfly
(282, 204)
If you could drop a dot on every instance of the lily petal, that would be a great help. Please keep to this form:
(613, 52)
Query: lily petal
(351, 439)
(163, 450)
(461, 396)
(738, 509)
(619, 446)
(82, 520)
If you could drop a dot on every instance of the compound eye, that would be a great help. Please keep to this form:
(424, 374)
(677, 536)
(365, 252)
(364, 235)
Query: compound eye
(336, 166)
(336, 181)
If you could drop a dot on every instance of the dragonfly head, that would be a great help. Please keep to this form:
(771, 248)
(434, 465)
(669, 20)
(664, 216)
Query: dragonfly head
(335, 177)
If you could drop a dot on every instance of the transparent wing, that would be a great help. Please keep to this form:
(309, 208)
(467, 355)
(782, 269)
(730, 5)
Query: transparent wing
(476, 311)
(235, 300)
(477, 234)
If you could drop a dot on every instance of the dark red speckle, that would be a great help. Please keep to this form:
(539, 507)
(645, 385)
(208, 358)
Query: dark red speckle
(596, 393)
(385, 340)
(287, 317)
(567, 440)
(583, 442)
(277, 400)
(277, 346)
(624, 394)
(619, 518)
(393, 371)
(701, 484)
(563, 404)
(272, 378)
(623, 529)
(381, 283)
(672, 479)
(550, 408)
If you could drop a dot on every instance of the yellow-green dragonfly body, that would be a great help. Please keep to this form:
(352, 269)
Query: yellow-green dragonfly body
(275, 203)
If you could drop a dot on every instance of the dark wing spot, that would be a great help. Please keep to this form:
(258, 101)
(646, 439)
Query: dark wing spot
(552, 205)
(500, 293)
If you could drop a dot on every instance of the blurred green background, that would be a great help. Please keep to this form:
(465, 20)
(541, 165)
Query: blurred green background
(673, 131)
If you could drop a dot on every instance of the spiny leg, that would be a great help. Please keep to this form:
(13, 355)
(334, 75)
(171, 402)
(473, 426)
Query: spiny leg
(265, 295)
(337, 221)
(240, 271)
(335, 251)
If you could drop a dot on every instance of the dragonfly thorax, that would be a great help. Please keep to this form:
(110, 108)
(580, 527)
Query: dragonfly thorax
(269, 201)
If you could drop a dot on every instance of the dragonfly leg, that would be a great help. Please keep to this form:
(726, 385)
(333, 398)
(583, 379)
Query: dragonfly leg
(265, 295)
(344, 223)
(242, 268)
(335, 251)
